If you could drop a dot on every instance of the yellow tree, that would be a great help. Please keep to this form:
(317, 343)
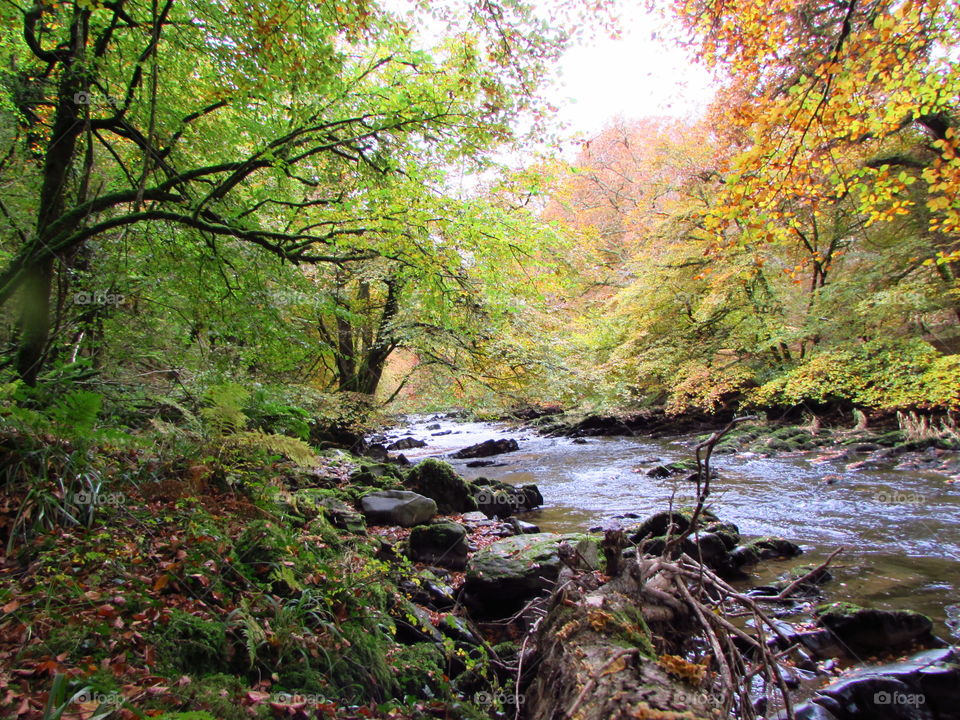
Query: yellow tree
(834, 99)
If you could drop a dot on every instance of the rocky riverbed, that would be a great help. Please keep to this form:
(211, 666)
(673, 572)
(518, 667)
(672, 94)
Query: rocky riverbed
(900, 528)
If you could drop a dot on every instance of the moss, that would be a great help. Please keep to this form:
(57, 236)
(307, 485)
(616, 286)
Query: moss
(191, 644)
(632, 629)
(212, 696)
(838, 608)
(419, 670)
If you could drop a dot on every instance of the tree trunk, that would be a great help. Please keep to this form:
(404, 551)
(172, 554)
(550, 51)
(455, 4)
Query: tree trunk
(595, 660)
(34, 323)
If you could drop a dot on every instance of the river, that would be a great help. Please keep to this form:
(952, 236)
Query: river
(900, 528)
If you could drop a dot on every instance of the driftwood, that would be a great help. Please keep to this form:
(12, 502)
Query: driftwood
(595, 661)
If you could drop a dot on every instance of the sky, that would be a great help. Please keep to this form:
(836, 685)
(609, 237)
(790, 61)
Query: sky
(634, 76)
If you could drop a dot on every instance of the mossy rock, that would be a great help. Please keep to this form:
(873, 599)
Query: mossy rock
(727, 531)
(438, 480)
(774, 547)
(374, 478)
(442, 543)
(870, 630)
(508, 573)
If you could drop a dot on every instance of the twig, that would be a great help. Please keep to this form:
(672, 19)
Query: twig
(785, 593)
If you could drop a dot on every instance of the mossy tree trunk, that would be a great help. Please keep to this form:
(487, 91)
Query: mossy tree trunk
(595, 660)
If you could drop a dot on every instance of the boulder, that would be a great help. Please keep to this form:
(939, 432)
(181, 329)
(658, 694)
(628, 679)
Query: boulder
(407, 443)
(867, 630)
(397, 507)
(487, 448)
(502, 577)
(437, 480)
(658, 525)
(500, 500)
(744, 555)
(674, 468)
(774, 547)
(926, 686)
(442, 543)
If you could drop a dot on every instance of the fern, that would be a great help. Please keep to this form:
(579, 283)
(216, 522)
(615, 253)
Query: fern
(224, 411)
(253, 633)
(76, 414)
(296, 450)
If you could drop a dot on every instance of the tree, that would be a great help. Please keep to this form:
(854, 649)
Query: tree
(831, 100)
(238, 122)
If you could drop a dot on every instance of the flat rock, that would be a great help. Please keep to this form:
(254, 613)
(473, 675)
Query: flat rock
(397, 507)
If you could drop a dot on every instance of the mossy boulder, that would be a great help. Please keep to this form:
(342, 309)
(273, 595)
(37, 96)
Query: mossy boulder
(437, 480)
(867, 630)
(442, 543)
(382, 476)
(312, 502)
(510, 572)
(774, 547)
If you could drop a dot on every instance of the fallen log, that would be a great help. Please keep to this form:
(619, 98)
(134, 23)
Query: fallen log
(596, 659)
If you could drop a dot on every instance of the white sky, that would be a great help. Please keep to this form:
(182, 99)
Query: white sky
(634, 76)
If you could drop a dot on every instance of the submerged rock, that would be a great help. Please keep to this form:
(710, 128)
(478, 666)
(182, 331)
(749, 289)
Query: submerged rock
(867, 630)
(487, 448)
(397, 507)
(926, 686)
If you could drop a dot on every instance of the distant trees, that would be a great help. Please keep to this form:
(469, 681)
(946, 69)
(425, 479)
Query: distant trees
(802, 243)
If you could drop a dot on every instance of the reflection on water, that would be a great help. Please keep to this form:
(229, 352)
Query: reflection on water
(901, 528)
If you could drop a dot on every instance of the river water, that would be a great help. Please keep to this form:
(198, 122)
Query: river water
(900, 528)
